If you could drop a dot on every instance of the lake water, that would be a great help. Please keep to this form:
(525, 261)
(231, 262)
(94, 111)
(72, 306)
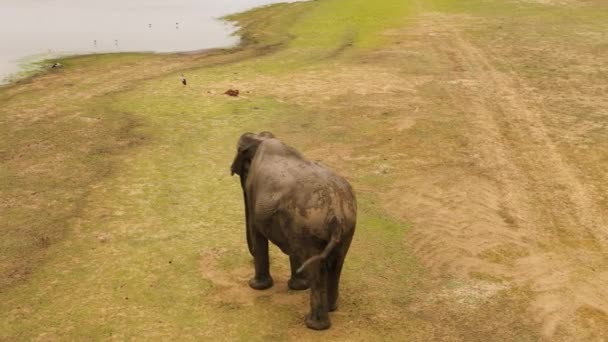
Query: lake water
(35, 29)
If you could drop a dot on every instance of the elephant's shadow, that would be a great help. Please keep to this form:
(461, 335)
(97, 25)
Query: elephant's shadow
(230, 283)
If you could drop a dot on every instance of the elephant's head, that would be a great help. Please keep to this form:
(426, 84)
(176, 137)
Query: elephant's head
(245, 151)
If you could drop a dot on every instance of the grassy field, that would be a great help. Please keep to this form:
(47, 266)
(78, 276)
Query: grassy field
(473, 132)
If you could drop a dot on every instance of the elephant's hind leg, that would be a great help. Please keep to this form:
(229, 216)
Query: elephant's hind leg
(333, 280)
(297, 281)
(318, 318)
(335, 263)
(262, 279)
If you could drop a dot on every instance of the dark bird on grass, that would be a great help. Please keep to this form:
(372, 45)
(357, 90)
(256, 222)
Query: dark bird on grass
(183, 79)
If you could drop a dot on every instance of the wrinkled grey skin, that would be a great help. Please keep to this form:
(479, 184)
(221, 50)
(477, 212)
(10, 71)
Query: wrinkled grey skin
(305, 209)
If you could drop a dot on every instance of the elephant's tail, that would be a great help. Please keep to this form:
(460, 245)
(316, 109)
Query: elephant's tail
(335, 239)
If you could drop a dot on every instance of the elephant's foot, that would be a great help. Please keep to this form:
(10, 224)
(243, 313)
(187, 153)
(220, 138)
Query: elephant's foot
(261, 283)
(317, 324)
(297, 284)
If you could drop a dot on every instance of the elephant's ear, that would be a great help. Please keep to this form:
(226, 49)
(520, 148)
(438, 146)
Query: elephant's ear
(241, 161)
(246, 149)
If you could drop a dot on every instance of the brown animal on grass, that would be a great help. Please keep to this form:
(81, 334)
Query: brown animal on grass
(232, 92)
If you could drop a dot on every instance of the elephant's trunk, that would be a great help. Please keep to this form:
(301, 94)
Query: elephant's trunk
(247, 214)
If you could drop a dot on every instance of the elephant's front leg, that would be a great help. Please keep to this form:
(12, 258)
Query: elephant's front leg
(262, 279)
(318, 318)
(297, 281)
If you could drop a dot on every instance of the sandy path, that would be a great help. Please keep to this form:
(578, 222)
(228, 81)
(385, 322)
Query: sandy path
(522, 214)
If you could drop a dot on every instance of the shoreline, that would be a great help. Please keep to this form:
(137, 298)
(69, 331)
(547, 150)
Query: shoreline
(38, 67)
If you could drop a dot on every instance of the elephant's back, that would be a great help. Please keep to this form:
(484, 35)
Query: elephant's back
(316, 198)
(307, 189)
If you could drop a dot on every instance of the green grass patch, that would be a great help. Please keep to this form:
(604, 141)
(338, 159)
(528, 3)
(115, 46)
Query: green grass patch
(333, 23)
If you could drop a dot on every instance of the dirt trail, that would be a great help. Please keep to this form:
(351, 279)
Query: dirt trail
(525, 216)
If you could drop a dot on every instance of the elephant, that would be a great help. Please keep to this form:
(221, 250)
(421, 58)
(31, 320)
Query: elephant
(305, 209)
